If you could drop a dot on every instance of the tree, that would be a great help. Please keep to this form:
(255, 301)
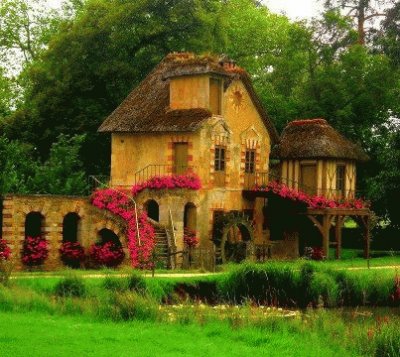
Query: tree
(63, 171)
(96, 58)
(17, 164)
(25, 27)
(384, 183)
(363, 12)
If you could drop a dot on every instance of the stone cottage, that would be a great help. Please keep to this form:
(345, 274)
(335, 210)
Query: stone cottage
(192, 115)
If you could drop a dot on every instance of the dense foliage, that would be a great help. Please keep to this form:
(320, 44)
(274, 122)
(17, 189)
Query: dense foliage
(72, 253)
(107, 254)
(34, 251)
(5, 251)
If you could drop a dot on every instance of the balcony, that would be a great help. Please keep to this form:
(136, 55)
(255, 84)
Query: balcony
(154, 170)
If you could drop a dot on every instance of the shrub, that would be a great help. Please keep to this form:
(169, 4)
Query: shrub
(70, 287)
(34, 251)
(72, 253)
(269, 284)
(130, 305)
(108, 254)
(5, 250)
(190, 237)
(115, 284)
(137, 283)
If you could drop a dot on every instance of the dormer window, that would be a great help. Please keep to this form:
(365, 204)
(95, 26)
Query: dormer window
(215, 96)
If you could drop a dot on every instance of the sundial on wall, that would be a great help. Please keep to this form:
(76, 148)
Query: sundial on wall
(237, 98)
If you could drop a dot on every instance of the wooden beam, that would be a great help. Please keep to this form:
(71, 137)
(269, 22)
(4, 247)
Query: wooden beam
(316, 222)
(325, 234)
(338, 235)
(366, 238)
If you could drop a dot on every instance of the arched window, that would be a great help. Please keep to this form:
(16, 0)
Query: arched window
(34, 224)
(71, 225)
(190, 216)
(107, 235)
(152, 209)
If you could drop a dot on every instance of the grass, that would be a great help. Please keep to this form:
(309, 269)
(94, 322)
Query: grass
(31, 333)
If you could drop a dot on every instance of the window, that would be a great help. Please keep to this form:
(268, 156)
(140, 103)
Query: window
(219, 163)
(250, 160)
(340, 179)
(215, 96)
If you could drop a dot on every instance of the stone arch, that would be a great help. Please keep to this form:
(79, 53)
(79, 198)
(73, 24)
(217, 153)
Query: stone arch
(244, 228)
(190, 216)
(71, 227)
(34, 224)
(107, 235)
(153, 209)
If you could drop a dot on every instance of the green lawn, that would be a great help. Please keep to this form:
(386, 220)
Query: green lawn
(37, 334)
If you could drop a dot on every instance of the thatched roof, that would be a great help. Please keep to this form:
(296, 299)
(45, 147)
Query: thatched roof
(314, 139)
(146, 109)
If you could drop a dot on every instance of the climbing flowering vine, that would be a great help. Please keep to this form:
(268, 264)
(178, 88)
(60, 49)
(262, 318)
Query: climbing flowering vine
(315, 202)
(189, 181)
(141, 246)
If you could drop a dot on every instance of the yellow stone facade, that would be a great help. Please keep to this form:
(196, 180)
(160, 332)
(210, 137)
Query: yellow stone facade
(238, 128)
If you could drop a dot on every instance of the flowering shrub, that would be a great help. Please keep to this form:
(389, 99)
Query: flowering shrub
(189, 181)
(5, 250)
(314, 253)
(72, 253)
(34, 251)
(108, 254)
(118, 203)
(190, 237)
(310, 201)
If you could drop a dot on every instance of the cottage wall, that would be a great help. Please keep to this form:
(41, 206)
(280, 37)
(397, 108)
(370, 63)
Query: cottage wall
(54, 209)
(239, 128)
(325, 180)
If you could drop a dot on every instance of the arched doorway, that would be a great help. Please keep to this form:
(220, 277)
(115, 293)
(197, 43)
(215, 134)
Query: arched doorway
(34, 223)
(153, 210)
(107, 235)
(190, 216)
(237, 237)
(71, 227)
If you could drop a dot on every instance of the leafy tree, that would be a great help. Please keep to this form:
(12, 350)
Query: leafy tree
(362, 12)
(63, 172)
(17, 165)
(384, 185)
(95, 59)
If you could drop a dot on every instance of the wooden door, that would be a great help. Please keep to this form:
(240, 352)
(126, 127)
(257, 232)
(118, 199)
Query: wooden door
(180, 158)
(308, 179)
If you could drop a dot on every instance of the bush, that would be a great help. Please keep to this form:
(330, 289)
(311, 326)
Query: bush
(130, 305)
(115, 284)
(108, 254)
(34, 251)
(70, 287)
(137, 283)
(5, 251)
(72, 254)
(268, 284)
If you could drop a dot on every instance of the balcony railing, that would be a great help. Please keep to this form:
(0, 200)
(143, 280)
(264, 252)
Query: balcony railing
(154, 170)
(261, 179)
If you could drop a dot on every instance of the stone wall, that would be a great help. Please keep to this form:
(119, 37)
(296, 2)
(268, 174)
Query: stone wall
(53, 210)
